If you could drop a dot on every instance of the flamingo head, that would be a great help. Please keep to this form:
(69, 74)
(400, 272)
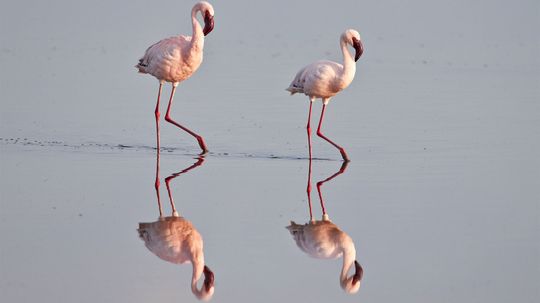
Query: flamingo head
(358, 47)
(351, 285)
(352, 37)
(207, 11)
(207, 290)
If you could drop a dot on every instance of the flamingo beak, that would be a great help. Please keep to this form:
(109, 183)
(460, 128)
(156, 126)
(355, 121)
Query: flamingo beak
(357, 44)
(359, 272)
(208, 23)
(208, 278)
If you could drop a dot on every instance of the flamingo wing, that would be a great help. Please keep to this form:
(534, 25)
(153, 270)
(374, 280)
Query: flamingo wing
(162, 53)
(171, 240)
(317, 79)
(297, 84)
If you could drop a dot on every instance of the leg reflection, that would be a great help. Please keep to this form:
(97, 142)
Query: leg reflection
(323, 239)
(171, 177)
(174, 238)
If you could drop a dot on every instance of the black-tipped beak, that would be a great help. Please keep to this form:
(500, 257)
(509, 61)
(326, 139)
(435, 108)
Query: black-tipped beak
(359, 272)
(208, 23)
(208, 278)
(357, 44)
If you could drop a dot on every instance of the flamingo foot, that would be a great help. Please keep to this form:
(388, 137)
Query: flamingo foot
(202, 145)
(344, 155)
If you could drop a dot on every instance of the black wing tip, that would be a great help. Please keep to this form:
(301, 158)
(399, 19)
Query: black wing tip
(141, 63)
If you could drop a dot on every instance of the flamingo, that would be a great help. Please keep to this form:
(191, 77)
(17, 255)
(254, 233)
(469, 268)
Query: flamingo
(324, 79)
(175, 240)
(175, 59)
(322, 239)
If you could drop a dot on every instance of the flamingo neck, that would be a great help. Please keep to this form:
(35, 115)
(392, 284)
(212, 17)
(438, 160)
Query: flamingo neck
(349, 255)
(197, 38)
(198, 267)
(349, 66)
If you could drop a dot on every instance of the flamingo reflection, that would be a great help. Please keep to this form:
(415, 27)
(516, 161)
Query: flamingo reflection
(174, 239)
(323, 239)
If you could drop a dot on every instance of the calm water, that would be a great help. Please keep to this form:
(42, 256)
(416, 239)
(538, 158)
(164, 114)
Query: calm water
(441, 122)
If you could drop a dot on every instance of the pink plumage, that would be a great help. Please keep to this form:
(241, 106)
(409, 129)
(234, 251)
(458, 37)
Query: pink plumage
(175, 59)
(324, 79)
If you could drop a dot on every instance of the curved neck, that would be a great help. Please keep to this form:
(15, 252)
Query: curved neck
(349, 66)
(197, 38)
(198, 267)
(349, 255)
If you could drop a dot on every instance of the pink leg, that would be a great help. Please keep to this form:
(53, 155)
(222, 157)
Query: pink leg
(156, 185)
(320, 134)
(308, 190)
(309, 130)
(169, 179)
(157, 114)
(320, 183)
(170, 120)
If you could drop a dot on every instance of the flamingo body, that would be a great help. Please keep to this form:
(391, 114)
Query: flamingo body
(319, 80)
(172, 59)
(175, 59)
(173, 239)
(321, 239)
(324, 79)
(324, 240)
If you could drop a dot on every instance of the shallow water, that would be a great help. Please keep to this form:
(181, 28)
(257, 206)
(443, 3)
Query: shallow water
(441, 124)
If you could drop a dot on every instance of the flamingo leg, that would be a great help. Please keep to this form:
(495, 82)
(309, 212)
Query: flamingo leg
(308, 191)
(156, 185)
(320, 183)
(167, 181)
(170, 120)
(157, 114)
(171, 177)
(308, 128)
(320, 134)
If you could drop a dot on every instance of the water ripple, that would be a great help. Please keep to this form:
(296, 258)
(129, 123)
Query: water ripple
(97, 147)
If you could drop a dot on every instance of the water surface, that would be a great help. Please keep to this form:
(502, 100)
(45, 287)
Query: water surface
(441, 124)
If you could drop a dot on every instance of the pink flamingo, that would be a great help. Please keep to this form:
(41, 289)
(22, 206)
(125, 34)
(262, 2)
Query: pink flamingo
(323, 239)
(175, 59)
(324, 79)
(175, 240)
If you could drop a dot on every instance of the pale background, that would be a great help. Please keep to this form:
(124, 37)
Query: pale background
(441, 122)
